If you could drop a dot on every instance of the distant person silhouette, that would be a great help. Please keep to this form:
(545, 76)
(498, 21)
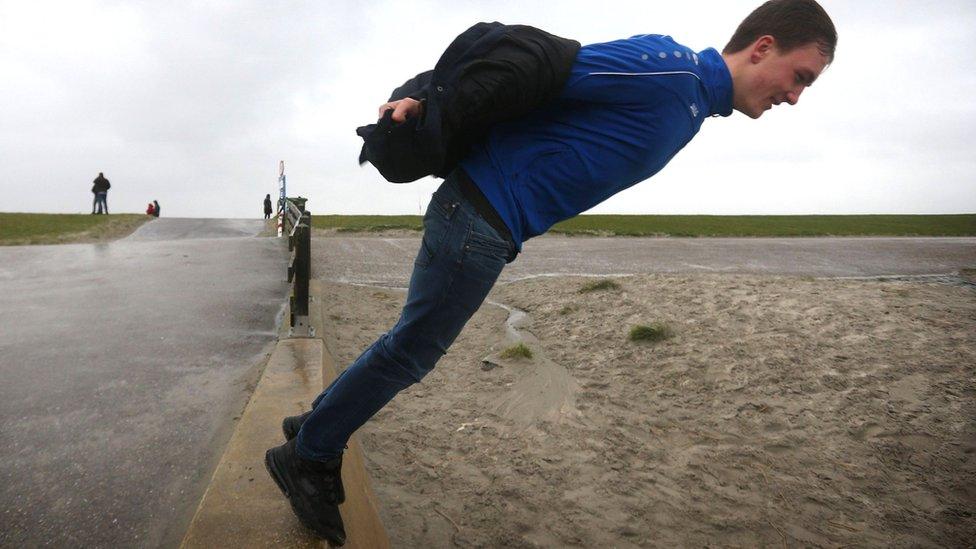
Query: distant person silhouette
(100, 190)
(151, 209)
(267, 206)
(155, 208)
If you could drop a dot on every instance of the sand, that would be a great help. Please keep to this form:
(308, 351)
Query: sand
(783, 412)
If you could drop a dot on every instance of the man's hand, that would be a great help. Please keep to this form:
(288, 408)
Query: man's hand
(403, 109)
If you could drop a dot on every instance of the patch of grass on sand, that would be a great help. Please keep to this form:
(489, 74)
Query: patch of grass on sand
(29, 228)
(599, 285)
(517, 351)
(657, 331)
(568, 309)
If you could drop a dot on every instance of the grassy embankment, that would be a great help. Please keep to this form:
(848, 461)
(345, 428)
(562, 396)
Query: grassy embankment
(704, 225)
(30, 228)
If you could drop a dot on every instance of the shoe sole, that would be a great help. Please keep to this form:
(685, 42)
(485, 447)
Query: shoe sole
(274, 474)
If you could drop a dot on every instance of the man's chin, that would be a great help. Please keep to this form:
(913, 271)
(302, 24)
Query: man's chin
(752, 113)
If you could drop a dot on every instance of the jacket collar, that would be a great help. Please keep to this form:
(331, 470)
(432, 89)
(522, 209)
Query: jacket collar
(718, 82)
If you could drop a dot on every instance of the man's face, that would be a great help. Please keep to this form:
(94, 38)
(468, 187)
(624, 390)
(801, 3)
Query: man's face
(773, 77)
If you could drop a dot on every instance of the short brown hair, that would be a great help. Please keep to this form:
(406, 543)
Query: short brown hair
(793, 23)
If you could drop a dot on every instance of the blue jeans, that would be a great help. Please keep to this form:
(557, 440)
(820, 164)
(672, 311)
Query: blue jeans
(460, 258)
(101, 199)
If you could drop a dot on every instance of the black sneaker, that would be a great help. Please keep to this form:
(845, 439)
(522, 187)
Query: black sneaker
(290, 427)
(312, 487)
(292, 424)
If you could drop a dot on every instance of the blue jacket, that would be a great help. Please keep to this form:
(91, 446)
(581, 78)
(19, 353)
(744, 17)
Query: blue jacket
(628, 107)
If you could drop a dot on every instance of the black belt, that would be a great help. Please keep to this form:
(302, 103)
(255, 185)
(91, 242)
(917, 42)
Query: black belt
(471, 192)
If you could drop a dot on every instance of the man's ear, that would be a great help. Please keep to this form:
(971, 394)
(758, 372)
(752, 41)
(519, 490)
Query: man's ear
(761, 48)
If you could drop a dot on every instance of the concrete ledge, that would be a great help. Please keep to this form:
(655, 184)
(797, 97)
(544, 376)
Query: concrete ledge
(242, 507)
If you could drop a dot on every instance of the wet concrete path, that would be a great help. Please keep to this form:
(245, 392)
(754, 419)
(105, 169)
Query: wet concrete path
(123, 366)
(389, 261)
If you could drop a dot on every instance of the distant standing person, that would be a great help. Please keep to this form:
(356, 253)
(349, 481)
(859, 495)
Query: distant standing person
(267, 206)
(155, 208)
(100, 190)
(151, 209)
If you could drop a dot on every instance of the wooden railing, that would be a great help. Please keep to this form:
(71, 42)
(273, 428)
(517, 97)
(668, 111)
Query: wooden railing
(298, 224)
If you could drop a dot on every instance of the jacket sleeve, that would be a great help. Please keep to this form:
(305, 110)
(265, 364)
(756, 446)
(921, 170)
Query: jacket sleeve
(415, 88)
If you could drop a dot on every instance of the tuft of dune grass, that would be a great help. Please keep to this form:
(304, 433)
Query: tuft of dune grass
(517, 351)
(568, 309)
(599, 285)
(657, 331)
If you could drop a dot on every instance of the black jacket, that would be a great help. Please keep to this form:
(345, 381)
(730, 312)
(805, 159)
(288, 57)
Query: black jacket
(490, 73)
(101, 185)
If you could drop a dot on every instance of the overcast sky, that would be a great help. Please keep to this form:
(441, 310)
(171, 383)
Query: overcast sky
(194, 104)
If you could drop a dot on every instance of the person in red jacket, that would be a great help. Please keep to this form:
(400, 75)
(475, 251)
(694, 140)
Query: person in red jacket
(150, 209)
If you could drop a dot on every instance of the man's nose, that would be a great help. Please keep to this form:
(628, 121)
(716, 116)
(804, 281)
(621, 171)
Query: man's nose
(793, 96)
